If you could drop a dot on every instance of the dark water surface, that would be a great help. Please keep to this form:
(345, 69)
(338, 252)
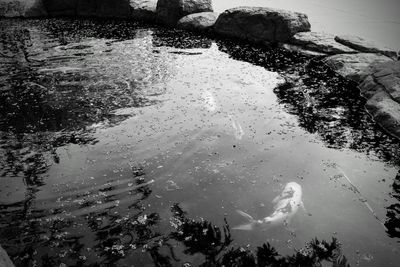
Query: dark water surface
(105, 125)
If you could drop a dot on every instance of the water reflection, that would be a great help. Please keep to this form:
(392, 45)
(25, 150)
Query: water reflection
(393, 211)
(49, 95)
(325, 103)
(51, 234)
(56, 91)
(203, 237)
(108, 225)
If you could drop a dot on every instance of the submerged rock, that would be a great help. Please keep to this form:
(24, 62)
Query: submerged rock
(144, 10)
(258, 24)
(169, 12)
(320, 42)
(355, 67)
(198, 21)
(363, 45)
(22, 8)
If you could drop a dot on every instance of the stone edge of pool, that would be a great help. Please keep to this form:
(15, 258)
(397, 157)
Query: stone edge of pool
(375, 70)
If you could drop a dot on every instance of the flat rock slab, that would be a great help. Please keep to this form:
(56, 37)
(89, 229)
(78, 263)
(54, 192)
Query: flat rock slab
(169, 12)
(386, 112)
(363, 45)
(261, 24)
(302, 50)
(382, 90)
(144, 10)
(383, 77)
(198, 21)
(320, 42)
(355, 67)
(22, 8)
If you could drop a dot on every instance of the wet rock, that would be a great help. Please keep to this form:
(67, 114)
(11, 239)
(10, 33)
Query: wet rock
(198, 21)
(382, 89)
(61, 7)
(169, 12)
(113, 8)
(5, 259)
(87, 8)
(144, 10)
(363, 45)
(320, 42)
(302, 50)
(260, 25)
(387, 76)
(22, 8)
(355, 67)
(97, 8)
(386, 112)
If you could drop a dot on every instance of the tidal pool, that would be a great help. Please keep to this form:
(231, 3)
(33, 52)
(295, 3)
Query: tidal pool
(113, 132)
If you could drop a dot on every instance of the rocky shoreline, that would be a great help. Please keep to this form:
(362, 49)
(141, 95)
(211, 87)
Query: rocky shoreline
(376, 70)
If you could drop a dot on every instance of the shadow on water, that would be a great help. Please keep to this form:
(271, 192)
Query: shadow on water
(393, 211)
(49, 234)
(108, 225)
(324, 103)
(327, 105)
(216, 245)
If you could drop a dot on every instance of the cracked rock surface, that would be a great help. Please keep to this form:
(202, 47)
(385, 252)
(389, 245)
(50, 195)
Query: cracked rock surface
(320, 42)
(382, 89)
(354, 67)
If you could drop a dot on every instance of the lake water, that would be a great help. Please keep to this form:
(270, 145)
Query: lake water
(105, 125)
(373, 20)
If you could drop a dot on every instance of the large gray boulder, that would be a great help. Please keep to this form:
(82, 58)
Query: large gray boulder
(355, 67)
(261, 24)
(144, 10)
(22, 8)
(320, 42)
(169, 12)
(363, 45)
(198, 22)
